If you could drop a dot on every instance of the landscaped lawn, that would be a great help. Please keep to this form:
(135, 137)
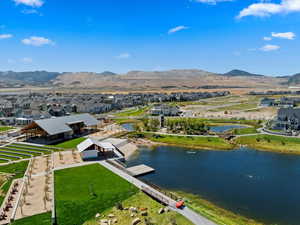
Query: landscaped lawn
(18, 169)
(247, 130)
(141, 200)
(71, 144)
(242, 106)
(214, 143)
(41, 219)
(5, 128)
(133, 112)
(271, 143)
(82, 192)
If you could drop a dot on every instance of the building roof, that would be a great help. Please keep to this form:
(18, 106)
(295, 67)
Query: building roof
(89, 142)
(60, 124)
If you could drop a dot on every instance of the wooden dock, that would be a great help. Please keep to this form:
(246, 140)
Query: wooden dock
(140, 170)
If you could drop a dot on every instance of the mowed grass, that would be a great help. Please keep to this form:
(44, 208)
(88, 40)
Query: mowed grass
(70, 144)
(82, 192)
(242, 131)
(140, 111)
(141, 200)
(214, 143)
(214, 212)
(40, 219)
(5, 128)
(271, 143)
(17, 169)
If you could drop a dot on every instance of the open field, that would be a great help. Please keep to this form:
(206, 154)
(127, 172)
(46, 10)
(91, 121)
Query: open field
(40, 219)
(242, 106)
(90, 189)
(16, 171)
(214, 143)
(140, 201)
(71, 144)
(271, 143)
(213, 212)
(242, 131)
(139, 111)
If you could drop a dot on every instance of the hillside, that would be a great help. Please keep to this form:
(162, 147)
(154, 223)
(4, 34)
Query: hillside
(164, 80)
(294, 80)
(241, 73)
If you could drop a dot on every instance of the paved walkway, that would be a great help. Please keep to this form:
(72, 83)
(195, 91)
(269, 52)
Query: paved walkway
(186, 212)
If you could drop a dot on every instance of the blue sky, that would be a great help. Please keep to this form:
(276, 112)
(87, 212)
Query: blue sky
(122, 35)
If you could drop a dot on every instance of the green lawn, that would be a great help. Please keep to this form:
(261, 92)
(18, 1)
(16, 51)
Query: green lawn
(5, 128)
(140, 111)
(214, 143)
(141, 200)
(271, 143)
(82, 192)
(18, 169)
(71, 144)
(214, 212)
(41, 219)
(247, 130)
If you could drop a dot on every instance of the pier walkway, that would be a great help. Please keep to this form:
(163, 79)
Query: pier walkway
(186, 212)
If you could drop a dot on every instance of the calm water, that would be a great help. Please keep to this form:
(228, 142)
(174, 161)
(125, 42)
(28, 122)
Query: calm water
(220, 129)
(261, 185)
(128, 126)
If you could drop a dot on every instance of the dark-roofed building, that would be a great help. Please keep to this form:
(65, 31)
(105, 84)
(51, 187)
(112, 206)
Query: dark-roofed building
(59, 129)
(288, 119)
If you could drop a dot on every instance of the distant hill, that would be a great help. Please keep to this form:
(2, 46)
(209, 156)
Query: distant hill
(107, 73)
(170, 79)
(30, 77)
(241, 73)
(294, 80)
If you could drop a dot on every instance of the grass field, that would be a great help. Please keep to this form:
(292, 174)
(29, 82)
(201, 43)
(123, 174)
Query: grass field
(140, 111)
(271, 143)
(214, 143)
(41, 219)
(71, 144)
(247, 130)
(82, 192)
(213, 212)
(243, 106)
(5, 128)
(141, 200)
(17, 169)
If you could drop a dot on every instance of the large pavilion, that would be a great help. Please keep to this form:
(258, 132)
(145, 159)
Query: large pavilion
(61, 128)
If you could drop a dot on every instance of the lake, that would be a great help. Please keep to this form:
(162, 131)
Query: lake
(260, 185)
(221, 129)
(128, 126)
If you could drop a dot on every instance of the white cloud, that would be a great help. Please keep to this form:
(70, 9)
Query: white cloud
(5, 36)
(212, 2)
(27, 60)
(286, 35)
(37, 41)
(176, 29)
(264, 9)
(124, 56)
(267, 38)
(268, 48)
(32, 3)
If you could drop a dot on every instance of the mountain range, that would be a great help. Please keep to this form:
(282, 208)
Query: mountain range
(188, 78)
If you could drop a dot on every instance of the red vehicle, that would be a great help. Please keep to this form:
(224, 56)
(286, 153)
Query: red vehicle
(180, 204)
